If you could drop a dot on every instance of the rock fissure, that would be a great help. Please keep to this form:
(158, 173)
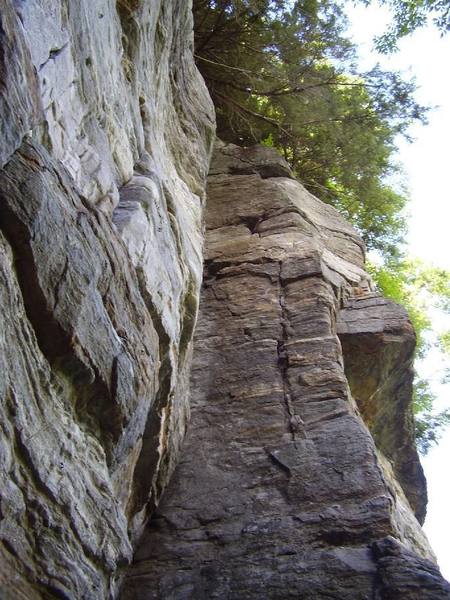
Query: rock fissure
(282, 439)
(298, 476)
(145, 489)
(295, 422)
(54, 53)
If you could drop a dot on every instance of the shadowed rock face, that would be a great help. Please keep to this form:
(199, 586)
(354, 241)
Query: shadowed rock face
(281, 491)
(378, 346)
(106, 130)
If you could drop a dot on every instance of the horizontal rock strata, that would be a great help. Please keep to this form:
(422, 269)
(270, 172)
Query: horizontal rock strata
(378, 345)
(281, 491)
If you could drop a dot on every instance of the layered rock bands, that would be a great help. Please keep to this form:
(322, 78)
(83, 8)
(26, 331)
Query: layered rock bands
(299, 477)
(106, 128)
(281, 491)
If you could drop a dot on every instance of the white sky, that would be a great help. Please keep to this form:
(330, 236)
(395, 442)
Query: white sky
(424, 55)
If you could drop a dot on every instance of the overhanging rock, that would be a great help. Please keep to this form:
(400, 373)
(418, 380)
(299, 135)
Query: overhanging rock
(281, 491)
(378, 345)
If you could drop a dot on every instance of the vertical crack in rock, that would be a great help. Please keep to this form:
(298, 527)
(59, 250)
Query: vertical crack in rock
(146, 485)
(257, 509)
(295, 422)
(282, 356)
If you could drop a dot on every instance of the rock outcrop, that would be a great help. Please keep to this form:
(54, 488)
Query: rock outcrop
(378, 347)
(299, 477)
(281, 491)
(106, 132)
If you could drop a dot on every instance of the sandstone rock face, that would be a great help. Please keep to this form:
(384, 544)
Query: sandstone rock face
(106, 132)
(281, 491)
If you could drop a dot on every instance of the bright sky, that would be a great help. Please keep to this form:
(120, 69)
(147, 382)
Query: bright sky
(426, 162)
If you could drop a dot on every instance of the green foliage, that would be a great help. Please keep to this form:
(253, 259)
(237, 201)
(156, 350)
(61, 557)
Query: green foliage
(409, 15)
(429, 427)
(428, 423)
(282, 73)
(444, 345)
(420, 288)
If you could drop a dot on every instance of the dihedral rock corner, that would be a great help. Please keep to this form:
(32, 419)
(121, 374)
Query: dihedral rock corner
(299, 476)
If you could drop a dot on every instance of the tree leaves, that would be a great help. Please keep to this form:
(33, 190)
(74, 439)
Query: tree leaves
(284, 71)
(421, 288)
(409, 15)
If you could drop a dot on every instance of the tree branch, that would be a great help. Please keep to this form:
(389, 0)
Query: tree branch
(246, 110)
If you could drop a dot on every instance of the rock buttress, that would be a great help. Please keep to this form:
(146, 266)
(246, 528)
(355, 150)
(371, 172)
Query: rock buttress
(281, 491)
(106, 133)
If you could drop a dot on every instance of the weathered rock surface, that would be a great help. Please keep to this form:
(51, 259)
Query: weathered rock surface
(281, 491)
(299, 477)
(106, 131)
(378, 345)
(402, 574)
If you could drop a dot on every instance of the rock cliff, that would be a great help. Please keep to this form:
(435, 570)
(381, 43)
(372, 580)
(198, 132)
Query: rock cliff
(282, 491)
(299, 477)
(106, 132)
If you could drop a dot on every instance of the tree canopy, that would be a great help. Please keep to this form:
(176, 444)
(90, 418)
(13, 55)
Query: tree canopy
(283, 73)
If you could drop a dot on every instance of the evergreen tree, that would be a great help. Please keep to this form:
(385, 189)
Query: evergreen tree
(285, 77)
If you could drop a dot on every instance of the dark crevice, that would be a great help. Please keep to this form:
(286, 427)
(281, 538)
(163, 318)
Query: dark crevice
(54, 53)
(280, 464)
(251, 222)
(146, 488)
(295, 422)
(212, 267)
(51, 337)
(127, 11)
(267, 170)
(188, 319)
(88, 392)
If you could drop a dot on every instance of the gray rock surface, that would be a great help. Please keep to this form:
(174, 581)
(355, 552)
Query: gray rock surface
(402, 574)
(281, 491)
(106, 132)
(299, 477)
(378, 345)
(20, 100)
